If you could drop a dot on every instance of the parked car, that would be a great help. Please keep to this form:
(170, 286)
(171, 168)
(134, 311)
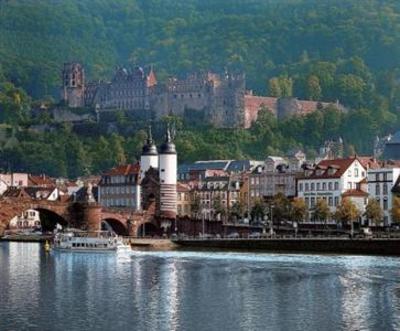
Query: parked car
(233, 235)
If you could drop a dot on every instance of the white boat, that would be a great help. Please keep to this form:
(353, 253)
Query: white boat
(79, 241)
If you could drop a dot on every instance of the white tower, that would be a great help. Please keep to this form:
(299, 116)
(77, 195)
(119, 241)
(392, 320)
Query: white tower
(167, 172)
(149, 157)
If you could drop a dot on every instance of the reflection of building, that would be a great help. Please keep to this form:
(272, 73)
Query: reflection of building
(28, 221)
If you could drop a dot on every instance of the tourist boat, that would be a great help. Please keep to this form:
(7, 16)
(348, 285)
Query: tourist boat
(80, 241)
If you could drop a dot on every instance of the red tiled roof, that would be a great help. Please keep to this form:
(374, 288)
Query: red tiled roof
(41, 180)
(369, 162)
(341, 165)
(355, 193)
(16, 192)
(124, 170)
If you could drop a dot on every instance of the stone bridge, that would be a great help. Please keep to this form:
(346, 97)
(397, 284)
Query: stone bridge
(89, 216)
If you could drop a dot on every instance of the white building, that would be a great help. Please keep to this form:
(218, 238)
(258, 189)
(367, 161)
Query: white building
(27, 221)
(331, 180)
(380, 184)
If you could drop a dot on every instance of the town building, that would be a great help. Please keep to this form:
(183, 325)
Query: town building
(119, 187)
(217, 195)
(29, 220)
(277, 175)
(15, 179)
(152, 182)
(381, 183)
(184, 199)
(220, 99)
(331, 180)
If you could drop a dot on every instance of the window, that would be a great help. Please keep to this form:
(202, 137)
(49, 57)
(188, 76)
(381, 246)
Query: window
(385, 188)
(312, 202)
(385, 204)
(307, 202)
(330, 186)
(377, 189)
(385, 176)
(306, 186)
(355, 172)
(318, 186)
(324, 186)
(349, 173)
(312, 187)
(349, 185)
(300, 187)
(336, 186)
(330, 201)
(336, 201)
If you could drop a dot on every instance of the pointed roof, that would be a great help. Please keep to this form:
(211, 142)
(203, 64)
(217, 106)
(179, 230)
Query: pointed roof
(151, 78)
(168, 147)
(149, 147)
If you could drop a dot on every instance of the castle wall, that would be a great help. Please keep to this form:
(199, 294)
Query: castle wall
(220, 100)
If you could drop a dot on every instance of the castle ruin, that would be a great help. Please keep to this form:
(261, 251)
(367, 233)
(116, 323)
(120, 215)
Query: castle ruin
(218, 99)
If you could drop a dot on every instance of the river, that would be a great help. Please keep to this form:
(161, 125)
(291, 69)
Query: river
(175, 290)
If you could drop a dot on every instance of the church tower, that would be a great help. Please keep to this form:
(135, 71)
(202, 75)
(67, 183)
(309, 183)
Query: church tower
(73, 88)
(168, 174)
(149, 157)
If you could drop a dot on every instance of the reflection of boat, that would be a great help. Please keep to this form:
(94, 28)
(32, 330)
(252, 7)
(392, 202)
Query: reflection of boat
(80, 241)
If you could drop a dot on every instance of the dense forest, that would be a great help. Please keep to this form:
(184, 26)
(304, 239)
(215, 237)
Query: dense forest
(345, 50)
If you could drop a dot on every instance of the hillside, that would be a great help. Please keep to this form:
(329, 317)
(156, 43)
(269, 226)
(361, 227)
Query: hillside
(346, 50)
(264, 38)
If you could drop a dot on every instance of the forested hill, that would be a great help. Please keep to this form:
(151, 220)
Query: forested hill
(346, 50)
(266, 38)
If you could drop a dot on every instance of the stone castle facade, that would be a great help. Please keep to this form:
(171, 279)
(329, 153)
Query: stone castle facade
(218, 99)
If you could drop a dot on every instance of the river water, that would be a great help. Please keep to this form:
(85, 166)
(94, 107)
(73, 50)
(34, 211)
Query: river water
(195, 291)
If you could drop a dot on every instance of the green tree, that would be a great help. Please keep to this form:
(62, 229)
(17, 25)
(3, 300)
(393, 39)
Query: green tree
(321, 211)
(395, 211)
(373, 211)
(274, 88)
(347, 212)
(298, 210)
(314, 90)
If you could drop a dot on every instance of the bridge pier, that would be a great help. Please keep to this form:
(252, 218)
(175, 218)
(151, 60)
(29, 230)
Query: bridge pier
(92, 217)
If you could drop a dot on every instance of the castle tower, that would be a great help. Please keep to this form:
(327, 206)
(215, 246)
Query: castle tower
(149, 157)
(73, 85)
(167, 173)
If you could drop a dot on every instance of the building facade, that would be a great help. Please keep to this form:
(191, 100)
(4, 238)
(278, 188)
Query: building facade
(220, 99)
(330, 180)
(119, 187)
(380, 185)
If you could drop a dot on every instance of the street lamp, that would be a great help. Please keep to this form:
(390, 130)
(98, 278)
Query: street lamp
(271, 228)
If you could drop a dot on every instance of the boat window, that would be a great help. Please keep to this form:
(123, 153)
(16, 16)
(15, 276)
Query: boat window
(73, 244)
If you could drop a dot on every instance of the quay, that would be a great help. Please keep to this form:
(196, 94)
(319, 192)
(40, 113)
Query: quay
(339, 245)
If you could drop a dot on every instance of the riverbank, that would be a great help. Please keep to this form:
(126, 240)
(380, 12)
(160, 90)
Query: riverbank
(27, 238)
(152, 244)
(375, 246)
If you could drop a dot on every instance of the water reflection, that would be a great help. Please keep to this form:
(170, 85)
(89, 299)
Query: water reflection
(195, 291)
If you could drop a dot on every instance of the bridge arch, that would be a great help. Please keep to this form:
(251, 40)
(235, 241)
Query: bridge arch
(114, 224)
(50, 218)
